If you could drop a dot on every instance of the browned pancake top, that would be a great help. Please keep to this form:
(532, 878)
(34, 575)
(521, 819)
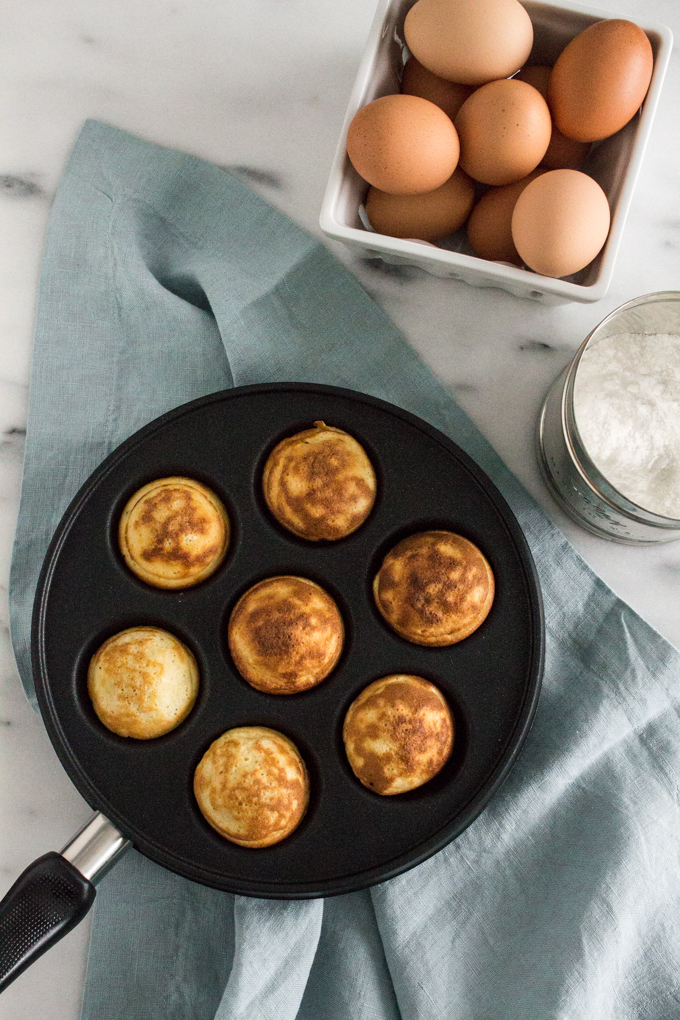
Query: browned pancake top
(167, 516)
(434, 588)
(398, 734)
(319, 484)
(174, 532)
(252, 786)
(285, 635)
(143, 682)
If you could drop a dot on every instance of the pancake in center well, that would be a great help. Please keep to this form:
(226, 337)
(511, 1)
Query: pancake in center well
(285, 635)
(174, 532)
(319, 484)
(398, 734)
(434, 588)
(252, 786)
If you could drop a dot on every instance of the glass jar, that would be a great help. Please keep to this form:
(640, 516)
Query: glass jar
(573, 479)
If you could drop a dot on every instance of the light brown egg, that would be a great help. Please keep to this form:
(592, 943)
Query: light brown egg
(427, 217)
(403, 144)
(560, 222)
(504, 130)
(562, 153)
(489, 227)
(600, 80)
(449, 96)
(469, 41)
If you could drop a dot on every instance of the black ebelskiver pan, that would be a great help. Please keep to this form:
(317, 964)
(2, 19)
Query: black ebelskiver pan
(350, 838)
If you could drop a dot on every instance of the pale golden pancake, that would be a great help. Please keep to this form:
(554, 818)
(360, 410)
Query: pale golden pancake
(174, 532)
(285, 635)
(143, 682)
(434, 588)
(252, 786)
(319, 484)
(398, 734)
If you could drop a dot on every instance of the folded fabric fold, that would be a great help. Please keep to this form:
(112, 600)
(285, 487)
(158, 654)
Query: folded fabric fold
(165, 278)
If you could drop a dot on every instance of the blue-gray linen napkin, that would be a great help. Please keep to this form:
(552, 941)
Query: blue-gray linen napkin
(164, 278)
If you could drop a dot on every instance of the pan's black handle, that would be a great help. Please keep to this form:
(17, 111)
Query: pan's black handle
(43, 905)
(53, 895)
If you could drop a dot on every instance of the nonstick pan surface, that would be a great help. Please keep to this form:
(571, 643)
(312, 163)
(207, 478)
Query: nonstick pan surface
(350, 837)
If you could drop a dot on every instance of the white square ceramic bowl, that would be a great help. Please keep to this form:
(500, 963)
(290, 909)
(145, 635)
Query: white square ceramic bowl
(614, 163)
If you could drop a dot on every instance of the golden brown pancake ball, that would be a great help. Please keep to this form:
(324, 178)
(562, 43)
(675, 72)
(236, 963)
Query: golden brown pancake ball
(319, 483)
(252, 786)
(143, 682)
(398, 734)
(285, 635)
(174, 532)
(434, 588)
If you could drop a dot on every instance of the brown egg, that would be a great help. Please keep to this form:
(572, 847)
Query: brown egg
(449, 96)
(504, 130)
(403, 144)
(469, 41)
(562, 153)
(600, 80)
(537, 75)
(560, 222)
(489, 227)
(426, 217)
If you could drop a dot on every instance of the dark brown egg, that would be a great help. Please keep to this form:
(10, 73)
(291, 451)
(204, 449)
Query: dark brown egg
(449, 96)
(426, 217)
(562, 152)
(600, 80)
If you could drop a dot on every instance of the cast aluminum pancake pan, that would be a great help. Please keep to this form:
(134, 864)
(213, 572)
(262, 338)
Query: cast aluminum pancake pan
(350, 837)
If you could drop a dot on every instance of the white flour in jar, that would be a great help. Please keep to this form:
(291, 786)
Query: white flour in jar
(627, 410)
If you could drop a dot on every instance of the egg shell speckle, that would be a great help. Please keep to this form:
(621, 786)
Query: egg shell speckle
(504, 129)
(404, 145)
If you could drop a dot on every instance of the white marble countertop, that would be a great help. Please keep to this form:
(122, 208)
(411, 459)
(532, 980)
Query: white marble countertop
(263, 87)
